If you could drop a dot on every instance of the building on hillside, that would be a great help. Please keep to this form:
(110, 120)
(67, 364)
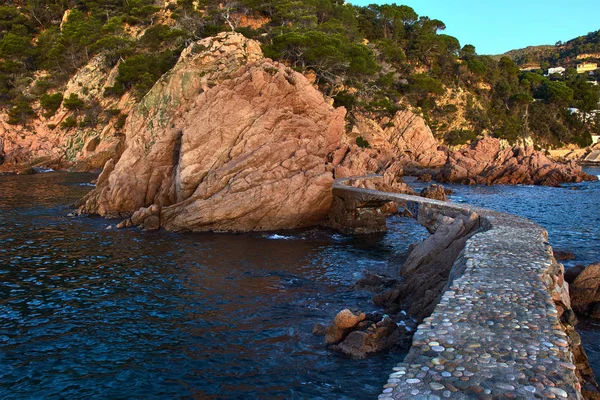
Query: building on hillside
(556, 70)
(595, 139)
(530, 67)
(586, 67)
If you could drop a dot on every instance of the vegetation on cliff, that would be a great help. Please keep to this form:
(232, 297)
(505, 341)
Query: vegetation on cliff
(373, 60)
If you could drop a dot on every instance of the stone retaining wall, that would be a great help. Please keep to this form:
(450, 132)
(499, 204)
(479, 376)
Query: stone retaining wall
(497, 331)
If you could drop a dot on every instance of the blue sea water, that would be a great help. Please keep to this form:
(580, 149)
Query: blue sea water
(87, 312)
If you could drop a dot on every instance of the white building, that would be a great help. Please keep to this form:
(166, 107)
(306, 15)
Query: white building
(556, 70)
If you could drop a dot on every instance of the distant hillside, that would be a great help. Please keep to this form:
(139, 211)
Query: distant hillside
(566, 54)
(530, 54)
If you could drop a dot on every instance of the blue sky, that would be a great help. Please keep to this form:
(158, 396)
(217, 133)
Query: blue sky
(498, 26)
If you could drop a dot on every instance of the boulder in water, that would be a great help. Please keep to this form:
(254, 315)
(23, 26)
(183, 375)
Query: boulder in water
(343, 322)
(436, 192)
(585, 291)
(487, 162)
(561, 255)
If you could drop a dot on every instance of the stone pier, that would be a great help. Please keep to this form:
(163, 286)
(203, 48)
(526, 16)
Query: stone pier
(503, 326)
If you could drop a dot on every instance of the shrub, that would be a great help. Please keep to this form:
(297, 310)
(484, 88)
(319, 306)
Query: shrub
(458, 137)
(120, 121)
(50, 103)
(344, 99)
(68, 123)
(360, 142)
(141, 72)
(21, 112)
(73, 102)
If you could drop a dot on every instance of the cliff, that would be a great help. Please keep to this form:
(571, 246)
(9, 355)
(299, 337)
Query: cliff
(49, 140)
(226, 141)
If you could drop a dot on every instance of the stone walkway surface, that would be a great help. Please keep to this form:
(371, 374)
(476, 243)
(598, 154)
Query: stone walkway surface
(496, 332)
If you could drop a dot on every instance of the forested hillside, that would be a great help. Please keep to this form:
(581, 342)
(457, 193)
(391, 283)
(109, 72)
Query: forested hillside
(373, 60)
(567, 54)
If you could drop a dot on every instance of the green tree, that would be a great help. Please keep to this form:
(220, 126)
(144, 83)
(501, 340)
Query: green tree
(21, 112)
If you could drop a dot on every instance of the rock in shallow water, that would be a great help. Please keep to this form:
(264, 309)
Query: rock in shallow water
(487, 162)
(436, 192)
(585, 291)
(357, 334)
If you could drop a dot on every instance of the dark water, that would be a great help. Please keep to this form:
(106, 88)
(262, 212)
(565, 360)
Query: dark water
(571, 215)
(87, 312)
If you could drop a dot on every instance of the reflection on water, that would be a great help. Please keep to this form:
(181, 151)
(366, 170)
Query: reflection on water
(90, 312)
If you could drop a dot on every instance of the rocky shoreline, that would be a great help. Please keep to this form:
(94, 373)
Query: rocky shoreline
(226, 124)
(506, 266)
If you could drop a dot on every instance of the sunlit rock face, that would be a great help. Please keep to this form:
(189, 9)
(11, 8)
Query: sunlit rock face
(226, 141)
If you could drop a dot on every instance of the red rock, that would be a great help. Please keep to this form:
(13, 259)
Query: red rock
(436, 192)
(226, 141)
(585, 291)
(486, 162)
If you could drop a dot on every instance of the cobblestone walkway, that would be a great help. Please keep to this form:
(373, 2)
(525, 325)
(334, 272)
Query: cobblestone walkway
(496, 332)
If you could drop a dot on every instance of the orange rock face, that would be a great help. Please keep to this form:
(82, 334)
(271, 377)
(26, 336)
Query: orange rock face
(226, 141)
(486, 162)
(401, 143)
(44, 143)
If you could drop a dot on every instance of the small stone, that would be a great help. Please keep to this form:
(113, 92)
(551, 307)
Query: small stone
(436, 386)
(412, 381)
(568, 366)
(476, 389)
(558, 392)
(505, 386)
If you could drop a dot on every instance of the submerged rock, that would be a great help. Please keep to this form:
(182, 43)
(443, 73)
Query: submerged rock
(486, 162)
(563, 255)
(226, 141)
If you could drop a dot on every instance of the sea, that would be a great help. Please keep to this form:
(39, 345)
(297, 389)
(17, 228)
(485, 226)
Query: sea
(89, 311)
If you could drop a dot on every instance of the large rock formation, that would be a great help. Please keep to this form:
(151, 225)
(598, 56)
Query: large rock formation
(486, 162)
(226, 141)
(406, 135)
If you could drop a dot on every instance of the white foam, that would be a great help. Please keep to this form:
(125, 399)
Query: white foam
(279, 237)
(41, 170)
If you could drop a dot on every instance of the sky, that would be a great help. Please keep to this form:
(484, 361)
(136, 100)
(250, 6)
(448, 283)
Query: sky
(497, 26)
